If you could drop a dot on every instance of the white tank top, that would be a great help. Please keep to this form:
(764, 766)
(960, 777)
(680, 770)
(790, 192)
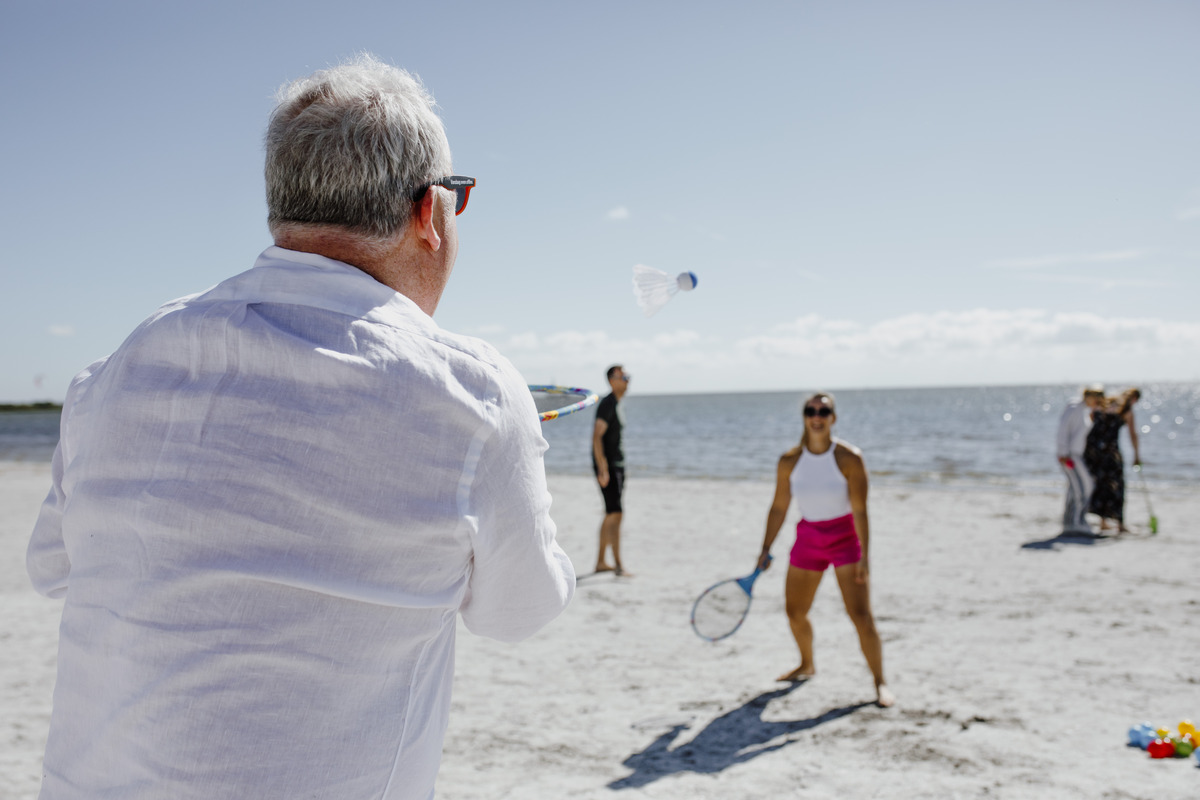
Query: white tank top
(819, 487)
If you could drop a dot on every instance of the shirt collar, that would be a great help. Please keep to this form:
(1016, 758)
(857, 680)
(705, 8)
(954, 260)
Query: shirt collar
(308, 279)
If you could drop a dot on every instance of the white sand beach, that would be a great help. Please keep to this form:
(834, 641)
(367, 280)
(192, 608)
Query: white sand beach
(1019, 659)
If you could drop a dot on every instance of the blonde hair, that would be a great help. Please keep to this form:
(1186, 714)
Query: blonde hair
(1127, 398)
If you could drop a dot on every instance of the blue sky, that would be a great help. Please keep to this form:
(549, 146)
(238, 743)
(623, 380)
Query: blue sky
(871, 193)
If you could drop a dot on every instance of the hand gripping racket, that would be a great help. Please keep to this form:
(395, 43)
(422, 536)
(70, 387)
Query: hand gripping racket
(722, 608)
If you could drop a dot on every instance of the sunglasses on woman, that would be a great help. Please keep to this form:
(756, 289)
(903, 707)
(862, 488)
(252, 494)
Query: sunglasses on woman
(459, 184)
(813, 411)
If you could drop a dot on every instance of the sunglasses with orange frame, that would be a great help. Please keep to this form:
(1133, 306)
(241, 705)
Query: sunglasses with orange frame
(461, 185)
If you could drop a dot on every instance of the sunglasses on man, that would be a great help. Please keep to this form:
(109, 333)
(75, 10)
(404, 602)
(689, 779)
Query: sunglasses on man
(459, 184)
(813, 411)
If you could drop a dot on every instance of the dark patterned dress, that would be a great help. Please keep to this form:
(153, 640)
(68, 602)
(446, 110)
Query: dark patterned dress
(1103, 459)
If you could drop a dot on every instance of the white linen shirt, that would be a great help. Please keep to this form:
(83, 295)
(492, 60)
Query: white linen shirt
(268, 507)
(1073, 428)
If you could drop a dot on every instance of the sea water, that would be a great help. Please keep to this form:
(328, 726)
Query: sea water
(28, 435)
(973, 436)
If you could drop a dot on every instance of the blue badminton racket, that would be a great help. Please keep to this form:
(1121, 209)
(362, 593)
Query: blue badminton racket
(722, 608)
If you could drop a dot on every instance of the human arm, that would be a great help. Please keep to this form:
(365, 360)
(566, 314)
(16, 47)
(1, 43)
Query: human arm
(46, 557)
(1063, 437)
(1133, 437)
(598, 432)
(520, 578)
(779, 505)
(851, 464)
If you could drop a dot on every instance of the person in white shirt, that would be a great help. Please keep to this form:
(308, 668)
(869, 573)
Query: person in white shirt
(1073, 427)
(273, 501)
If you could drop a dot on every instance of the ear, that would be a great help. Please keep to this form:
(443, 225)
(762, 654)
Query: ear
(423, 220)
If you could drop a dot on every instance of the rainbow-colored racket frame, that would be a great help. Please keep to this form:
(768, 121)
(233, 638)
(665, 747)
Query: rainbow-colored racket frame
(590, 398)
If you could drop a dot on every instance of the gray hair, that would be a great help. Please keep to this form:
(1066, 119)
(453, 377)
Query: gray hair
(348, 146)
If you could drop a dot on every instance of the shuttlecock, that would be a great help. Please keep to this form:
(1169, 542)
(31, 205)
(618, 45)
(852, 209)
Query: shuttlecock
(653, 287)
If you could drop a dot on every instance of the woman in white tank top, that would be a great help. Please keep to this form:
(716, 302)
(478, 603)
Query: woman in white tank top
(828, 480)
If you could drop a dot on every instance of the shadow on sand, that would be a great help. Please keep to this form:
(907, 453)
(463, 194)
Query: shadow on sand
(732, 738)
(1086, 539)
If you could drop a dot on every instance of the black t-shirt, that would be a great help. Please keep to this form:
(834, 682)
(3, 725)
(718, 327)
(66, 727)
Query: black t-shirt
(611, 441)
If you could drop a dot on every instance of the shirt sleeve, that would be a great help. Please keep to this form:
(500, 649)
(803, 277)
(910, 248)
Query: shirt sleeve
(607, 410)
(1066, 427)
(46, 558)
(521, 579)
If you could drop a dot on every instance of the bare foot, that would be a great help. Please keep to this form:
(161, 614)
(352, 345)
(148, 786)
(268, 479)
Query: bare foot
(798, 675)
(604, 568)
(621, 573)
(885, 697)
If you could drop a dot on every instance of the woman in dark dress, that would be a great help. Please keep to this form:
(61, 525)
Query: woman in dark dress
(1103, 457)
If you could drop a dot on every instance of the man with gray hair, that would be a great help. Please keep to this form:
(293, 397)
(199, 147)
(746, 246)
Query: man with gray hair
(271, 503)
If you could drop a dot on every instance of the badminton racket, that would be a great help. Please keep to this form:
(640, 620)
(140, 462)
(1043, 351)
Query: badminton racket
(722, 608)
(556, 402)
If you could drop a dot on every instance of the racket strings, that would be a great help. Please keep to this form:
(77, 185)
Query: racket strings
(720, 611)
(555, 402)
(545, 401)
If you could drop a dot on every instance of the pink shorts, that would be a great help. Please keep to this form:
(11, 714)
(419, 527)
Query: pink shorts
(830, 541)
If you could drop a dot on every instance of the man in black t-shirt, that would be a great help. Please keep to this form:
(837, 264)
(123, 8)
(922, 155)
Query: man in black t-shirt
(608, 462)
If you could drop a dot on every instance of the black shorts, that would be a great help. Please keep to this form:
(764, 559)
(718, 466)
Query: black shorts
(612, 492)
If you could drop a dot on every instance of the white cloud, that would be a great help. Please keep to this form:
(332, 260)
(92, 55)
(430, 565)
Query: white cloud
(676, 339)
(1036, 262)
(618, 213)
(976, 347)
(984, 332)
(61, 330)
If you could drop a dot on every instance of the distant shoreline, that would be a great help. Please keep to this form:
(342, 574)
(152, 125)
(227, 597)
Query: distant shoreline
(19, 407)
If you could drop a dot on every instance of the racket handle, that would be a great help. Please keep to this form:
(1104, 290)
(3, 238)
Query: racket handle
(748, 582)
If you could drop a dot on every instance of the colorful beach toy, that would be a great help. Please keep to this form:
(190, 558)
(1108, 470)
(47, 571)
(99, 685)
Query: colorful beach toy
(1161, 748)
(1184, 745)
(1163, 743)
(1142, 735)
